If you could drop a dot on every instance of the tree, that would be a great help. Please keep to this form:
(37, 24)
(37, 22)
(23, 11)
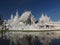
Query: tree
(1, 23)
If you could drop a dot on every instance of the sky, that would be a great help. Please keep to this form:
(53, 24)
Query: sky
(37, 7)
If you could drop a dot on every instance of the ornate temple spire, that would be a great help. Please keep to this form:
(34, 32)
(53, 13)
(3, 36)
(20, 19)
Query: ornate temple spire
(17, 13)
(11, 16)
(16, 17)
(42, 15)
(47, 18)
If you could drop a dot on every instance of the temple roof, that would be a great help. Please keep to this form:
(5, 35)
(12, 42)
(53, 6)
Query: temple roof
(25, 15)
(44, 18)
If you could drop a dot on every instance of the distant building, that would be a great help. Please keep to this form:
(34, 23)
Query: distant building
(27, 22)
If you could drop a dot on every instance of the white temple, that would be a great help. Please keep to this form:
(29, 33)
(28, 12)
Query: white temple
(27, 22)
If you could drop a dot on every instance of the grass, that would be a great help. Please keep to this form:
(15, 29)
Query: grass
(28, 30)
